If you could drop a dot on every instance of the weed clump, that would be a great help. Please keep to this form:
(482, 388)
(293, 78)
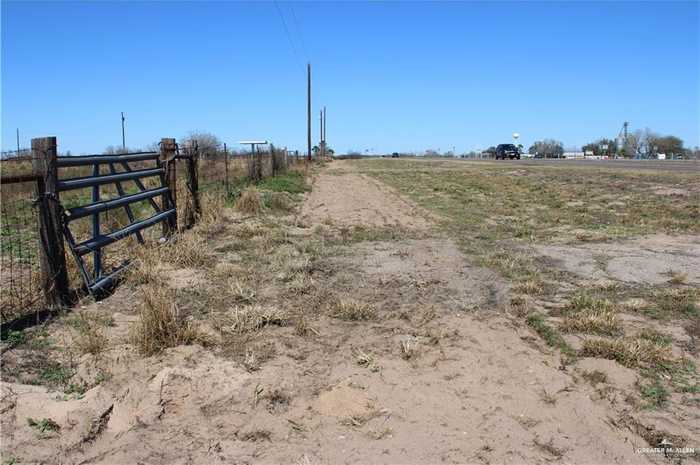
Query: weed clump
(631, 353)
(655, 394)
(674, 302)
(250, 202)
(595, 377)
(90, 338)
(551, 336)
(161, 325)
(589, 315)
(245, 319)
(280, 201)
(351, 310)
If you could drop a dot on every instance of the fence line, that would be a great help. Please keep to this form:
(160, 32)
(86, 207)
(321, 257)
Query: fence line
(43, 199)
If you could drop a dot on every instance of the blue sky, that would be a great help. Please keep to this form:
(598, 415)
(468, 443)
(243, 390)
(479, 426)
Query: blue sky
(394, 75)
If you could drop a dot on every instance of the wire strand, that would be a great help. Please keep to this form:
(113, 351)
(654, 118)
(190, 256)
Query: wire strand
(301, 36)
(286, 31)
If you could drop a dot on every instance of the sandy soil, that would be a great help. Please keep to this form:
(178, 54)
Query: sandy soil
(448, 376)
(348, 198)
(645, 260)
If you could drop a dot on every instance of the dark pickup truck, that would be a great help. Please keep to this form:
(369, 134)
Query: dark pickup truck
(504, 151)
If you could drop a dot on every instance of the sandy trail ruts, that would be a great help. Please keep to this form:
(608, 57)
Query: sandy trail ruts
(348, 199)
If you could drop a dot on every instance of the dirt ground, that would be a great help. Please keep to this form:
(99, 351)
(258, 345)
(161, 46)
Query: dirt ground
(410, 352)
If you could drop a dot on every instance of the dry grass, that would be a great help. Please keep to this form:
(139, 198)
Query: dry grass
(250, 202)
(188, 251)
(547, 398)
(666, 303)
(630, 352)
(352, 310)
(281, 201)
(363, 358)
(161, 325)
(151, 264)
(589, 315)
(677, 278)
(408, 349)
(92, 341)
(595, 377)
(249, 318)
(597, 321)
(378, 434)
(531, 286)
(241, 292)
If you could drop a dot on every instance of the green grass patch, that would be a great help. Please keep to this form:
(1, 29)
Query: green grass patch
(293, 182)
(654, 394)
(55, 375)
(551, 336)
(43, 426)
(667, 303)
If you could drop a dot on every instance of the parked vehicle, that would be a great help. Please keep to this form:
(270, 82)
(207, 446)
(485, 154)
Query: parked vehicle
(504, 151)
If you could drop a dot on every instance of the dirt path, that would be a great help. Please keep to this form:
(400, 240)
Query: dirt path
(440, 374)
(348, 198)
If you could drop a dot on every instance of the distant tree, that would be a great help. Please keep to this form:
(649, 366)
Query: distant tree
(597, 147)
(491, 150)
(208, 143)
(315, 150)
(547, 148)
(670, 145)
(113, 150)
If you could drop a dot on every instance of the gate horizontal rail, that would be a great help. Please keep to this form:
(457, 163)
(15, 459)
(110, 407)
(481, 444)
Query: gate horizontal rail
(76, 213)
(89, 160)
(92, 181)
(102, 241)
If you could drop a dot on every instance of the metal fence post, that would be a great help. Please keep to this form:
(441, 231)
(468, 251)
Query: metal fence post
(54, 273)
(168, 149)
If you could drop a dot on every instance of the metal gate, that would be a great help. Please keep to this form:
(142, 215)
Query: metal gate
(165, 212)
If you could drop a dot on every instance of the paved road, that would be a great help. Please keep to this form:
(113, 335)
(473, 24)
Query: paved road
(631, 165)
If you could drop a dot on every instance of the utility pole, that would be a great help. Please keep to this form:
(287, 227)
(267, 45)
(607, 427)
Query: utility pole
(18, 142)
(308, 110)
(320, 144)
(324, 124)
(123, 138)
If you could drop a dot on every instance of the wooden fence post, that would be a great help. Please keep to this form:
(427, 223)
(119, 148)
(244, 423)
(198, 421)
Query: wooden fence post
(273, 160)
(228, 191)
(168, 149)
(258, 165)
(193, 186)
(54, 274)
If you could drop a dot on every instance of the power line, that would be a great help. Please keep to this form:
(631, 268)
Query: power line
(286, 31)
(298, 29)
